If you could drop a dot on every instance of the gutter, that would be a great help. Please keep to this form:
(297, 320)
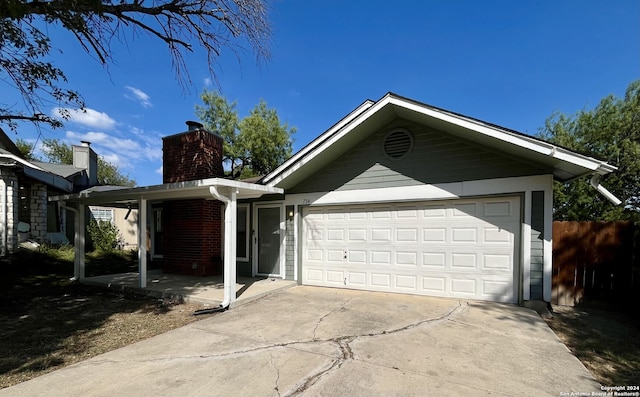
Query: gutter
(595, 183)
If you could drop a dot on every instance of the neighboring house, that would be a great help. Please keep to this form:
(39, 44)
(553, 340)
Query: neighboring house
(124, 219)
(398, 196)
(25, 185)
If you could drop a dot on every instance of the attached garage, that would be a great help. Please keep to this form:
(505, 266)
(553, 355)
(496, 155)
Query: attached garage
(403, 197)
(453, 248)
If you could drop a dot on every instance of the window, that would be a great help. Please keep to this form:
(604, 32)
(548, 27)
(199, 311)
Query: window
(102, 214)
(24, 203)
(242, 233)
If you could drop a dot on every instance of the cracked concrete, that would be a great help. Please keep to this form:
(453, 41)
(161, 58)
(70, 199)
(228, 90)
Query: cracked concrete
(331, 342)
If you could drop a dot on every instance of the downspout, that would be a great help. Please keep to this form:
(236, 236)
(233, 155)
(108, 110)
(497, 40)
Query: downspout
(595, 182)
(229, 251)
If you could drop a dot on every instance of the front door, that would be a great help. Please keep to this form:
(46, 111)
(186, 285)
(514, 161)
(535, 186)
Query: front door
(269, 239)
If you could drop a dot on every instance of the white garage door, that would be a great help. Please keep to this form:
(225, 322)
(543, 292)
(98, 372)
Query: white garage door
(455, 248)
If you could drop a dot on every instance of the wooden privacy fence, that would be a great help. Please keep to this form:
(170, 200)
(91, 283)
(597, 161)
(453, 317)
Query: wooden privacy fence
(595, 263)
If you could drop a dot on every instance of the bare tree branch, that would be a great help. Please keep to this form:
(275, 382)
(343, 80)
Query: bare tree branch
(213, 25)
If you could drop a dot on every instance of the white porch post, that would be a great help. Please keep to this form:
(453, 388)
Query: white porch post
(230, 206)
(230, 228)
(142, 243)
(79, 242)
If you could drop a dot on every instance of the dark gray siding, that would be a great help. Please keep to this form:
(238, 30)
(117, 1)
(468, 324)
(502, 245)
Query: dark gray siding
(436, 158)
(289, 249)
(537, 246)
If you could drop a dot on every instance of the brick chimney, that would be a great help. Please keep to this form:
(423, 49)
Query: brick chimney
(192, 155)
(192, 228)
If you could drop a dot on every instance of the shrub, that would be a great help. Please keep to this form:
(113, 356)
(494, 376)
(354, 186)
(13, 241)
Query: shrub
(105, 235)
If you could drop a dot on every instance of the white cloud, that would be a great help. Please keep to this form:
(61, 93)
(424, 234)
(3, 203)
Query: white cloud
(87, 117)
(208, 82)
(159, 170)
(139, 95)
(126, 153)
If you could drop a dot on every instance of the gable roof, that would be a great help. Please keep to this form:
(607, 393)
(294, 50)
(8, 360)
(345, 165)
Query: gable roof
(46, 173)
(366, 118)
(7, 144)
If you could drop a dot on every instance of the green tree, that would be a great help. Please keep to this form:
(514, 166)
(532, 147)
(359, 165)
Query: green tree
(253, 146)
(212, 25)
(26, 149)
(609, 132)
(56, 151)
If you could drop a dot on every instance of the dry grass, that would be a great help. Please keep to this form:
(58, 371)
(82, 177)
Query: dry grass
(605, 341)
(48, 322)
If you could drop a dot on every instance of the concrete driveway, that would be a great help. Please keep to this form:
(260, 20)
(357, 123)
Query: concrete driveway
(330, 342)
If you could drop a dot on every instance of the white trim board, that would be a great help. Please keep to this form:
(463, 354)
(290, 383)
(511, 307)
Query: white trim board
(426, 192)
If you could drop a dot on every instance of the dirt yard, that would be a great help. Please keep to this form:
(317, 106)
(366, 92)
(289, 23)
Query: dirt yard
(605, 341)
(48, 322)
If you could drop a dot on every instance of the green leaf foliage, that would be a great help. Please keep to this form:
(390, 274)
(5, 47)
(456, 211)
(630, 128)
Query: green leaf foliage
(609, 132)
(253, 146)
(104, 235)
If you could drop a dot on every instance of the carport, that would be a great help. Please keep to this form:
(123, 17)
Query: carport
(224, 190)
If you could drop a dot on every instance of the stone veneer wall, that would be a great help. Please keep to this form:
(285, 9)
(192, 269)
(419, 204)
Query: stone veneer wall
(9, 231)
(38, 212)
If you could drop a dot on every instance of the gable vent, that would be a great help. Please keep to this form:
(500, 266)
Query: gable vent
(398, 143)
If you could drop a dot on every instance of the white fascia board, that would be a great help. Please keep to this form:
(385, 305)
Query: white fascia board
(442, 191)
(300, 158)
(184, 190)
(21, 161)
(541, 147)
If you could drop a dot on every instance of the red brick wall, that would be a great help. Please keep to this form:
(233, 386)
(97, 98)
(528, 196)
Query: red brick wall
(192, 228)
(192, 237)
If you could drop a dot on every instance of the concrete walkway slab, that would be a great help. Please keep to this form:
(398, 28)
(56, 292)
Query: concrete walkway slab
(196, 289)
(333, 342)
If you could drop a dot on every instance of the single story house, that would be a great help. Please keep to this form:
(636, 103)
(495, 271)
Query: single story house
(398, 196)
(25, 185)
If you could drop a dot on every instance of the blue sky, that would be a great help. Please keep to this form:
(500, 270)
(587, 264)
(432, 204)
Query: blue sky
(511, 63)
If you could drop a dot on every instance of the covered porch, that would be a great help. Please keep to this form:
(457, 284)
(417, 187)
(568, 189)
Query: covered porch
(223, 289)
(208, 291)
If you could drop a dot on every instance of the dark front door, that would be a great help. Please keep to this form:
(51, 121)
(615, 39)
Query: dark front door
(269, 240)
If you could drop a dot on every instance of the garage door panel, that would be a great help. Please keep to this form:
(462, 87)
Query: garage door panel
(464, 261)
(463, 286)
(380, 280)
(358, 278)
(497, 262)
(464, 235)
(407, 282)
(458, 248)
(434, 235)
(434, 284)
(434, 259)
(498, 208)
(407, 258)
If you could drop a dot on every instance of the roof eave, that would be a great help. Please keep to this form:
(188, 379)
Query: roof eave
(537, 148)
(169, 191)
